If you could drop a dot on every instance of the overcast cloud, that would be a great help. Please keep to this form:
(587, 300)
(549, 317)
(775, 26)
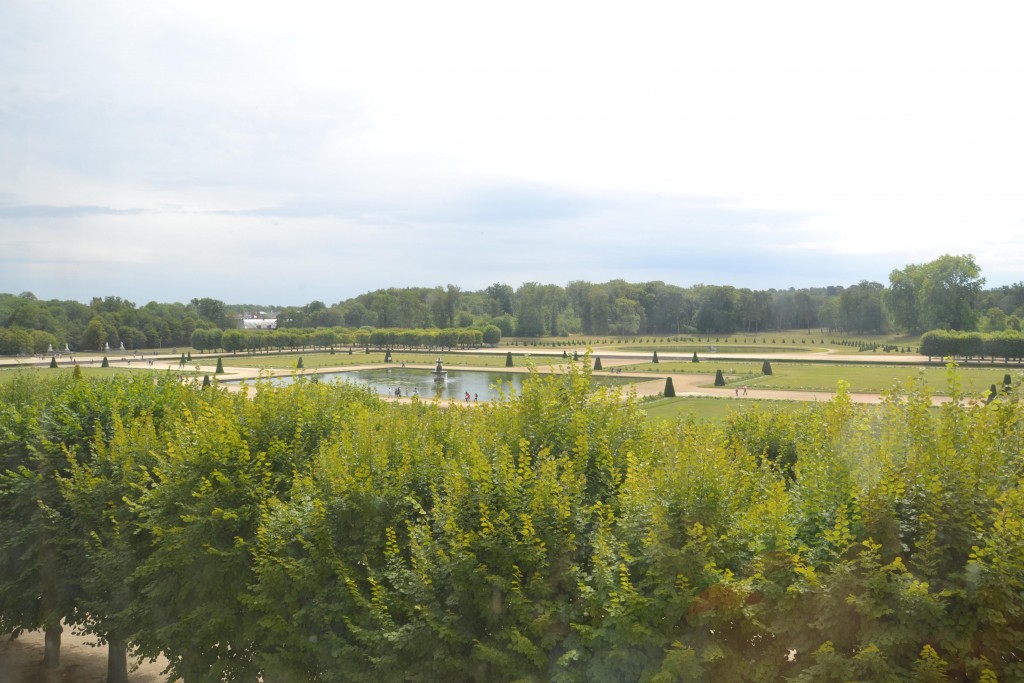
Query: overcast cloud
(276, 153)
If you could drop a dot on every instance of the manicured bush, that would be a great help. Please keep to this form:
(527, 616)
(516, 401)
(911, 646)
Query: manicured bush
(206, 381)
(53, 361)
(387, 358)
(1007, 383)
(105, 363)
(508, 359)
(597, 363)
(655, 358)
(766, 368)
(719, 379)
(298, 365)
(220, 367)
(670, 391)
(694, 359)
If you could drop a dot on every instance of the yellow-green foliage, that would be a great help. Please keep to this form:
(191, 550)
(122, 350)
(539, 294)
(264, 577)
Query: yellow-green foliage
(312, 532)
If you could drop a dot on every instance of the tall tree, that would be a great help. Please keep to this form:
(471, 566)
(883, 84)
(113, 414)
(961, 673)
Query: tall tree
(941, 294)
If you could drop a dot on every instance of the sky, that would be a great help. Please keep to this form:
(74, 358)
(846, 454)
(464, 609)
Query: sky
(277, 153)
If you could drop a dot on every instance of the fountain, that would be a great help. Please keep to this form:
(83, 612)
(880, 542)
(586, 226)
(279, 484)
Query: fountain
(439, 373)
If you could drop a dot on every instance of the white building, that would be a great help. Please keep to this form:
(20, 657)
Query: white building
(259, 323)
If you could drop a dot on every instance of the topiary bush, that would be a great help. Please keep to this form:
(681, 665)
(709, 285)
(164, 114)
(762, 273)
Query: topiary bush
(655, 358)
(766, 368)
(508, 359)
(694, 359)
(719, 379)
(298, 365)
(597, 363)
(105, 363)
(220, 367)
(53, 361)
(670, 391)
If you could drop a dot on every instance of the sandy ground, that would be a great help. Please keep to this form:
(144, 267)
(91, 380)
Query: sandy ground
(81, 661)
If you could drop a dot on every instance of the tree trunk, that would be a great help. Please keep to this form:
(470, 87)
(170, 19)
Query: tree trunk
(51, 649)
(117, 663)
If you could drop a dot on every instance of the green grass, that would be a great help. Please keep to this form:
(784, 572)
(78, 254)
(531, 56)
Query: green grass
(702, 349)
(706, 408)
(826, 377)
(871, 378)
(791, 341)
(8, 374)
(730, 367)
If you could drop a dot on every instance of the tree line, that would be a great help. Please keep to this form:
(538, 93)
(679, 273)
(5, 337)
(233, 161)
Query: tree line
(946, 293)
(312, 532)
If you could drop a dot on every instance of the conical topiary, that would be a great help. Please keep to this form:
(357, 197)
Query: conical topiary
(508, 359)
(992, 393)
(53, 361)
(387, 357)
(719, 379)
(670, 391)
(1007, 383)
(189, 356)
(182, 360)
(220, 367)
(766, 368)
(77, 373)
(694, 360)
(597, 363)
(655, 359)
(206, 381)
(299, 364)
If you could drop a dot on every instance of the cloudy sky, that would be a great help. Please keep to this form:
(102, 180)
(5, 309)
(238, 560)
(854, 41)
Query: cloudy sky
(281, 152)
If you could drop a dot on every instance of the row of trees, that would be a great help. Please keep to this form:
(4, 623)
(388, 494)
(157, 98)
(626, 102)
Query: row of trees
(313, 533)
(943, 294)
(966, 345)
(28, 325)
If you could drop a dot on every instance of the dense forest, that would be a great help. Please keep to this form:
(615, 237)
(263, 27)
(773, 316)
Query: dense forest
(315, 533)
(947, 293)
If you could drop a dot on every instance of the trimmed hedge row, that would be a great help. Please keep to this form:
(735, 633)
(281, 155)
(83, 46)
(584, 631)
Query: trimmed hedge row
(1008, 345)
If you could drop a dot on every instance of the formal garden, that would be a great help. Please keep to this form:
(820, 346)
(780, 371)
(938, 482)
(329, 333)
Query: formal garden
(315, 532)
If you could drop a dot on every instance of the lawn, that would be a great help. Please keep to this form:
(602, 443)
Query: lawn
(8, 374)
(826, 377)
(706, 408)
